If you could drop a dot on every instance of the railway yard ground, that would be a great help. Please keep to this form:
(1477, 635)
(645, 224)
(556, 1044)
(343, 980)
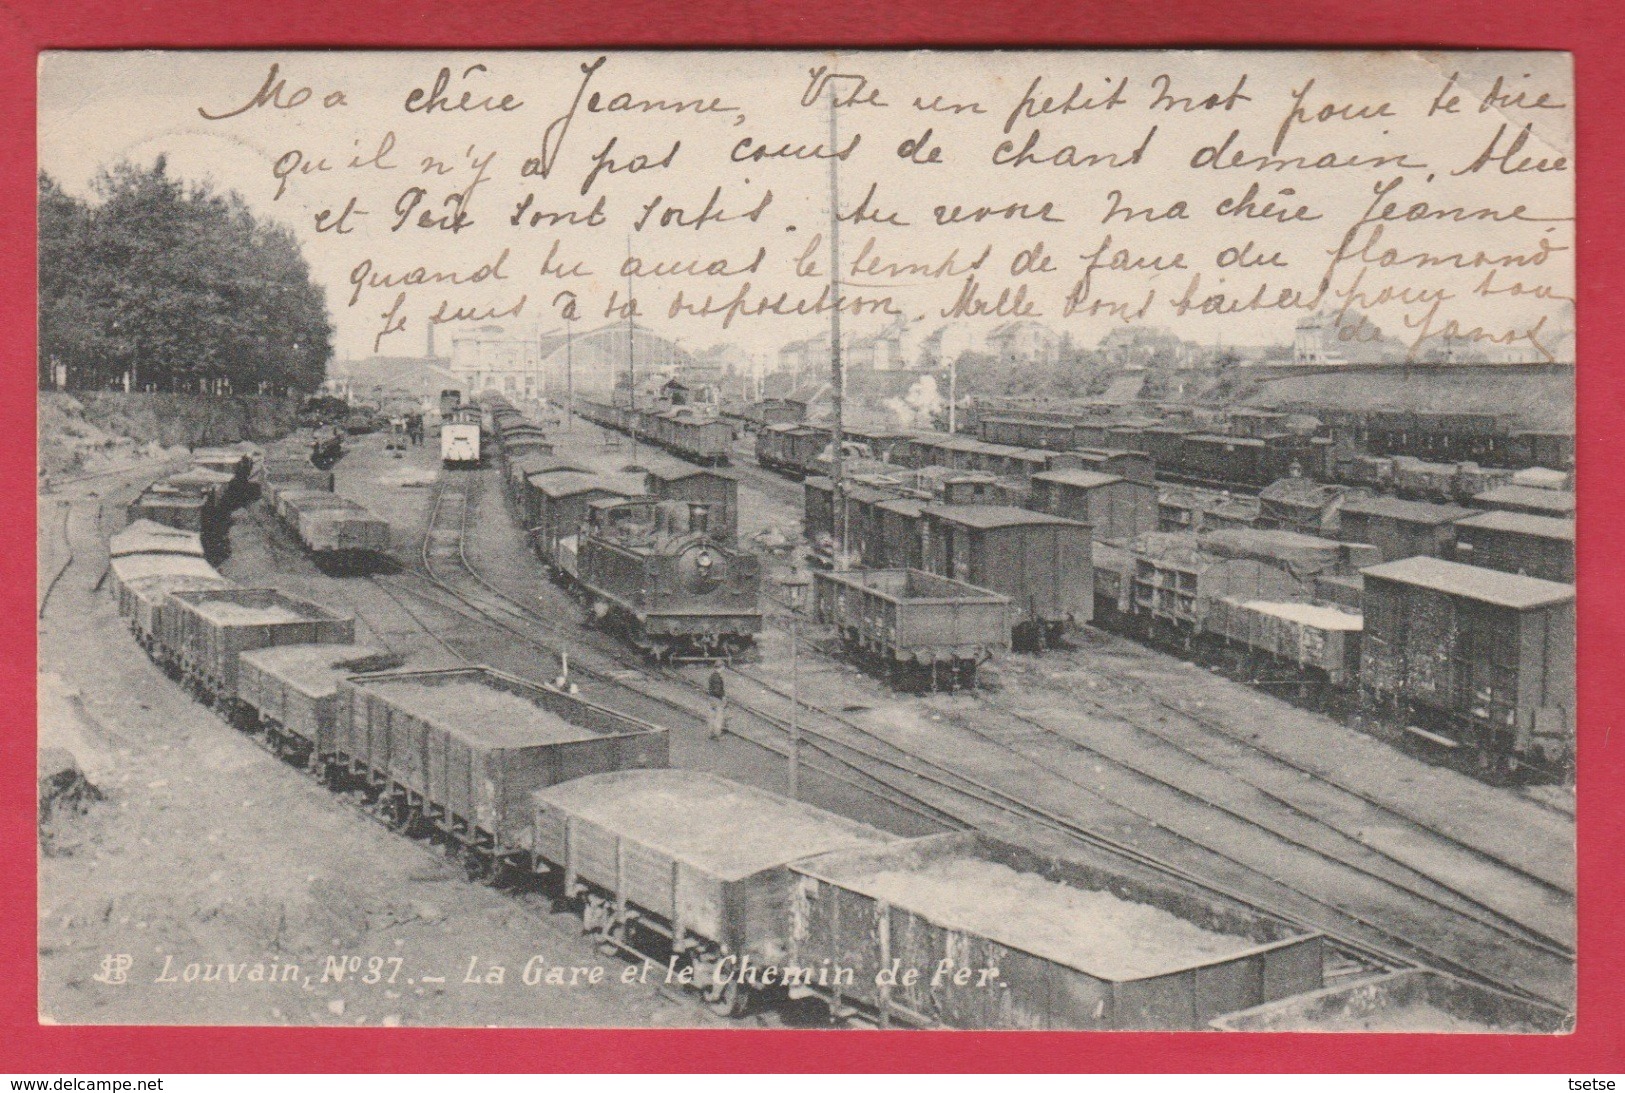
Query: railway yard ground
(206, 844)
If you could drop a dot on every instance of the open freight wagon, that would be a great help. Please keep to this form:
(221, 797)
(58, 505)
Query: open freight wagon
(965, 931)
(205, 631)
(141, 585)
(915, 627)
(461, 751)
(1410, 1000)
(688, 864)
(290, 693)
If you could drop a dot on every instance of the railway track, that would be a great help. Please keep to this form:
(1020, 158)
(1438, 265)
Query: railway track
(1292, 828)
(1216, 734)
(90, 553)
(453, 585)
(1394, 939)
(66, 508)
(936, 789)
(533, 905)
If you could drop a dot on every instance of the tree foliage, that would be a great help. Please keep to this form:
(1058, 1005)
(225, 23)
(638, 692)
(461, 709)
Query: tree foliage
(176, 287)
(1070, 374)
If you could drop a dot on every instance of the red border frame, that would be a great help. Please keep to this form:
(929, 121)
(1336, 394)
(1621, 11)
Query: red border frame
(1591, 29)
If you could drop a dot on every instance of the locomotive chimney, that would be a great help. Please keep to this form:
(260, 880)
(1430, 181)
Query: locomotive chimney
(700, 518)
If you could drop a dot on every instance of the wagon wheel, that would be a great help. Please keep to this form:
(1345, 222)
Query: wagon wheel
(613, 937)
(727, 999)
(477, 866)
(402, 817)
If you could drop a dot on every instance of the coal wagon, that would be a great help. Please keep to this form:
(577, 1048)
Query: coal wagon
(916, 628)
(1319, 638)
(150, 537)
(1409, 1000)
(292, 473)
(333, 527)
(176, 507)
(688, 868)
(965, 931)
(207, 630)
(290, 693)
(461, 751)
(141, 584)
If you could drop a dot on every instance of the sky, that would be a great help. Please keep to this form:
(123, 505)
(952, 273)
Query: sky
(1101, 132)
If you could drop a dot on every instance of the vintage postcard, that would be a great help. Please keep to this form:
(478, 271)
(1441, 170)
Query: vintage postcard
(980, 540)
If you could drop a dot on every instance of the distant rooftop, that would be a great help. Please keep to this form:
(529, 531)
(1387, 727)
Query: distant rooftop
(1086, 480)
(1408, 512)
(1523, 523)
(1533, 497)
(993, 516)
(1474, 583)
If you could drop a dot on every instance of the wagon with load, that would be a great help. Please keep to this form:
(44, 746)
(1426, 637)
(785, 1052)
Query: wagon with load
(176, 507)
(203, 635)
(1409, 1000)
(290, 693)
(966, 931)
(688, 863)
(916, 628)
(292, 473)
(1319, 637)
(460, 751)
(151, 537)
(332, 526)
(141, 584)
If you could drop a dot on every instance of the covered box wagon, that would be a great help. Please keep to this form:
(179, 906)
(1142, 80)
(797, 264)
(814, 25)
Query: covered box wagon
(1400, 529)
(1041, 562)
(207, 630)
(463, 749)
(1516, 542)
(718, 492)
(1471, 657)
(912, 623)
(697, 861)
(556, 505)
(1114, 507)
(965, 931)
(1412, 1000)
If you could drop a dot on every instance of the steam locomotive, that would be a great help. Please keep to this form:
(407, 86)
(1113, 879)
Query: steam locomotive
(655, 571)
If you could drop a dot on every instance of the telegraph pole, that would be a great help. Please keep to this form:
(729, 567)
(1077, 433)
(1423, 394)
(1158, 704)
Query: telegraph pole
(631, 359)
(837, 384)
(569, 375)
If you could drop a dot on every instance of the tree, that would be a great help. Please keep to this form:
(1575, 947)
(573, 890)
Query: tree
(163, 284)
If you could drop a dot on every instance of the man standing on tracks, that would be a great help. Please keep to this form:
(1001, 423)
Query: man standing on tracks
(719, 704)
